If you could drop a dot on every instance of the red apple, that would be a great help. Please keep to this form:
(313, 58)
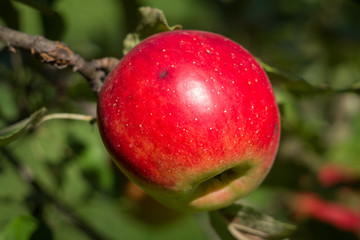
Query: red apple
(191, 117)
(340, 216)
(332, 174)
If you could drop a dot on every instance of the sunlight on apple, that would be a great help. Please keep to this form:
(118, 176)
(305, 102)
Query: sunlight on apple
(195, 94)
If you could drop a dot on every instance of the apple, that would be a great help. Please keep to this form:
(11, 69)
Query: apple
(311, 205)
(333, 174)
(190, 117)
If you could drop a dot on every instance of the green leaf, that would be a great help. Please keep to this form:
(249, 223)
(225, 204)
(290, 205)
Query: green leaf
(300, 86)
(16, 130)
(20, 228)
(42, 6)
(294, 84)
(9, 14)
(54, 25)
(152, 20)
(130, 41)
(53, 22)
(238, 221)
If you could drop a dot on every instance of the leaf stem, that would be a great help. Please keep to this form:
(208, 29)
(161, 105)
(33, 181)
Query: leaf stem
(71, 116)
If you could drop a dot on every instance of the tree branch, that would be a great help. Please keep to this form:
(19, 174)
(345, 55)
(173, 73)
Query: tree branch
(27, 175)
(59, 55)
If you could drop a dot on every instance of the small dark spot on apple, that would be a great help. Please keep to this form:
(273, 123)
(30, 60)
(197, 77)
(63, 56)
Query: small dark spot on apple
(163, 74)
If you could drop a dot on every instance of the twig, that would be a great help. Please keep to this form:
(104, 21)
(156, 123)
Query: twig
(70, 116)
(27, 175)
(59, 55)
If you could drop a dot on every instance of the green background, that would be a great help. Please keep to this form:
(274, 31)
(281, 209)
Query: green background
(317, 40)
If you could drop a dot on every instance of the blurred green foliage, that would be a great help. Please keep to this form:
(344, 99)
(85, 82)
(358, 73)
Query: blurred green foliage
(315, 40)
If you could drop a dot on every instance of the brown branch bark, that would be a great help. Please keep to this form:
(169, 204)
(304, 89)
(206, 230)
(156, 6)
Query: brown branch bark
(59, 55)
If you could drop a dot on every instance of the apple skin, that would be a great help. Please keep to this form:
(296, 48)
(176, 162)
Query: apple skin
(191, 118)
